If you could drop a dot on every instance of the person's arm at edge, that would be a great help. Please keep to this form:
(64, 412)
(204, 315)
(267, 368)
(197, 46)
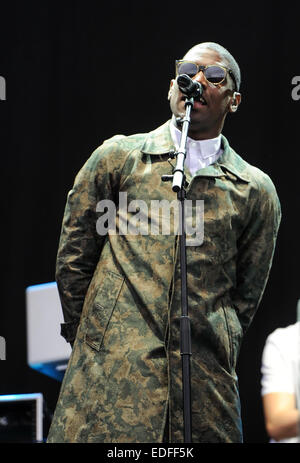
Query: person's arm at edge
(281, 415)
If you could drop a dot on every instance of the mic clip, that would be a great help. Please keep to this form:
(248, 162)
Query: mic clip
(172, 154)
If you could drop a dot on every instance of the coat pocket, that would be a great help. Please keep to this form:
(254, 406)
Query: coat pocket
(235, 333)
(101, 310)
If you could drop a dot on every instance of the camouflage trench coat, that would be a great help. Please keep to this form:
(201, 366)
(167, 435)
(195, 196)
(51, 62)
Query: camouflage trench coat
(120, 295)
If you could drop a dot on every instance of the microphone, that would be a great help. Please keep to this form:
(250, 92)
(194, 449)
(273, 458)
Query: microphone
(189, 87)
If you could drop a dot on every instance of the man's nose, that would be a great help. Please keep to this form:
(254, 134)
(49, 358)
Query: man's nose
(199, 77)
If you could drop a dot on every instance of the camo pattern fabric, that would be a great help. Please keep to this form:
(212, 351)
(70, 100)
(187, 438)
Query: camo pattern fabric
(120, 295)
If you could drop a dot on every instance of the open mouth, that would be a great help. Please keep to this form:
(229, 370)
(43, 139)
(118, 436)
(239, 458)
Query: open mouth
(199, 99)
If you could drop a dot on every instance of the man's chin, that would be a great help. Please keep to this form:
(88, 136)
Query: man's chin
(199, 127)
(197, 121)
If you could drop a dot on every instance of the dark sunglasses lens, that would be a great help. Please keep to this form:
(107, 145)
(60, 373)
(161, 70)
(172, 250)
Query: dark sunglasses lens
(214, 74)
(187, 68)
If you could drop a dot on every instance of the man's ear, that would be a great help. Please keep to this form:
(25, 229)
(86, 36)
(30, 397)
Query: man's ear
(171, 88)
(235, 102)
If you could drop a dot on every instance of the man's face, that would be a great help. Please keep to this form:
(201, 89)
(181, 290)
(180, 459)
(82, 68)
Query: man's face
(206, 119)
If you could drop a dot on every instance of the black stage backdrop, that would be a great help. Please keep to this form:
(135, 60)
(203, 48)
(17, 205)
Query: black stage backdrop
(79, 72)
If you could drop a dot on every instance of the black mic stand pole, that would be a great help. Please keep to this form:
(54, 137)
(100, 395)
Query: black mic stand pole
(178, 186)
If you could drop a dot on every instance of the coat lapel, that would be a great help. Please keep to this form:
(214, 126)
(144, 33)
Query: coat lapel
(159, 142)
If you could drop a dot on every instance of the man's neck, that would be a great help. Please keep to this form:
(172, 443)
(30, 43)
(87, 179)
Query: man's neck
(197, 134)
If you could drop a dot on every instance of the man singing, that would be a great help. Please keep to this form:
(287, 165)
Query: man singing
(120, 291)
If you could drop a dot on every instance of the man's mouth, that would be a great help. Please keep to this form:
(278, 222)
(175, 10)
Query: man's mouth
(199, 99)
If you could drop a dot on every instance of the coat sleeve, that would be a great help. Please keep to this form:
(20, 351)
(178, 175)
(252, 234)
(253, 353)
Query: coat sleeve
(256, 248)
(80, 245)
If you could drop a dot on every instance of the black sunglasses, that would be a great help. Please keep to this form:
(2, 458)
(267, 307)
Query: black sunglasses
(214, 73)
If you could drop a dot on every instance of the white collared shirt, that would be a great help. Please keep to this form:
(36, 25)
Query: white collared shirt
(199, 153)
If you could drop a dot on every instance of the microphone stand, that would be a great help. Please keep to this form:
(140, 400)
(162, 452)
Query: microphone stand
(178, 186)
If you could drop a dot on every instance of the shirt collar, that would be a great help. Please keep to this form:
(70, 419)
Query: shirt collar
(159, 142)
(203, 148)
